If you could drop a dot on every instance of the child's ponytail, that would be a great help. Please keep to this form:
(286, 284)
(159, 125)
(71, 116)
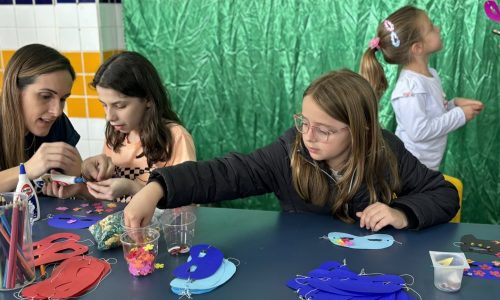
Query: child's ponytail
(371, 69)
(394, 38)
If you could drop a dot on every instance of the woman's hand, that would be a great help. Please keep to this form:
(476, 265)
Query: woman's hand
(140, 210)
(98, 168)
(50, 156)
(378, 215)
(113, 188)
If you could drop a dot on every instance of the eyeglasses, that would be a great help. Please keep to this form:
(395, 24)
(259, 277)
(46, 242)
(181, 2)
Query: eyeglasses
(303, 125)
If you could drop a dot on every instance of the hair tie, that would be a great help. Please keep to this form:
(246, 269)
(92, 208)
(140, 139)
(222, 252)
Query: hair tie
(374, 43)
(394, 36)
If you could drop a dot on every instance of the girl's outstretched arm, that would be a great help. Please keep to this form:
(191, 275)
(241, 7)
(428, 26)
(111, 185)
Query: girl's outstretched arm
(140, 209)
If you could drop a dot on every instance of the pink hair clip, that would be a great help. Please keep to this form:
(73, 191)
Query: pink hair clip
(394, 36)
(374, 43)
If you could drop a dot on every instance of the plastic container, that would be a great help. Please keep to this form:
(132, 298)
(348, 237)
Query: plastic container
(140, 249)
(448, 270)
(17, 264)
(178, 230)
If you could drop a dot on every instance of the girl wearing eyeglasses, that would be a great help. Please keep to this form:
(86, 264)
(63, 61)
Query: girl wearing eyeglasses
(335, 160)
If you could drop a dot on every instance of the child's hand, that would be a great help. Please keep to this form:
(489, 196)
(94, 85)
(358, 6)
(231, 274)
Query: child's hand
(470, 112)
(97, 168)
(474, 107)
(140, 209)
(53, 189)
(113, 188)
(378, 215)
(466, 102)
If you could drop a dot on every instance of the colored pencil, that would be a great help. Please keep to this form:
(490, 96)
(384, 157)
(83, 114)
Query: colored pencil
(4, 283)
(22, 261)
(21, 222)
(1, 272)
(12, 249)
(43, 275)
(5, 223)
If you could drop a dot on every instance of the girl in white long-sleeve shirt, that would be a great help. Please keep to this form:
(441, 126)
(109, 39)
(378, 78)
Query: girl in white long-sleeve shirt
(424, 116)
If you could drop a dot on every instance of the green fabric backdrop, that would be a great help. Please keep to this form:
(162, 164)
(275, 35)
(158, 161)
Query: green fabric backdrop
(236, 71)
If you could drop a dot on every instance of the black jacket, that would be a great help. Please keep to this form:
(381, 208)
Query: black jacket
(425, 197)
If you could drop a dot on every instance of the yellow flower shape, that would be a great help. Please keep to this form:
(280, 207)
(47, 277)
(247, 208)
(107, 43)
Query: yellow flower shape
(159, 266)
(148, 247)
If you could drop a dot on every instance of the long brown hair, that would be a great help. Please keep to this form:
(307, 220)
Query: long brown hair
(348, 98)
(133, 75)
(23, 68)
(407, 27)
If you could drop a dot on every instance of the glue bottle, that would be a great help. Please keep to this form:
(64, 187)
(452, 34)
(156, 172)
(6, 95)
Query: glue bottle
(24, 186)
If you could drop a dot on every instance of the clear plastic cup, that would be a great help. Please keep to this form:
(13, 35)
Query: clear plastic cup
(448, 270)
(140, 249)
(17, 264)
(155, 223)
(178, 230)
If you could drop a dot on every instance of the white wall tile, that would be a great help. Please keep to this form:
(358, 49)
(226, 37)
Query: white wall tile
(45, 16)
(26, 36)
(25, 15)
(96, 147)
(47, 36)
(68, 39)
(66, 15)
(87, 15)
(8, 38)
(96, 129)
(119, 15)
(7, 16)
(109, 38)
(83, 147)
(81, 126)
(107, 14)
(89, 37)
(120, 38)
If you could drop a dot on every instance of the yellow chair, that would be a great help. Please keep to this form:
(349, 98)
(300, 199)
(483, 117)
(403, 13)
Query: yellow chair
(460, 188)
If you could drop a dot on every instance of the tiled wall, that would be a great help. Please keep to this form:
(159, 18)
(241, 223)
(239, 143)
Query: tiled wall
(85, 31)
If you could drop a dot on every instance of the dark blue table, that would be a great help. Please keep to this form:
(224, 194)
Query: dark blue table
(273, 247)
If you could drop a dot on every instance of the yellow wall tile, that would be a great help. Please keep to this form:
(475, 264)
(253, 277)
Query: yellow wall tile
(95, 109)
(7, 54)
(91, 61)
(76, 60)
(90, 90)
(76, 107)
(78, 85)
(107, 54)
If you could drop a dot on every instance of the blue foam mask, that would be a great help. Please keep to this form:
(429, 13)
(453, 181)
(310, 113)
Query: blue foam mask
(67, 221)
(374, 241)
(485, 270)
(223, 274)
(204, 261)
(335, 281)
